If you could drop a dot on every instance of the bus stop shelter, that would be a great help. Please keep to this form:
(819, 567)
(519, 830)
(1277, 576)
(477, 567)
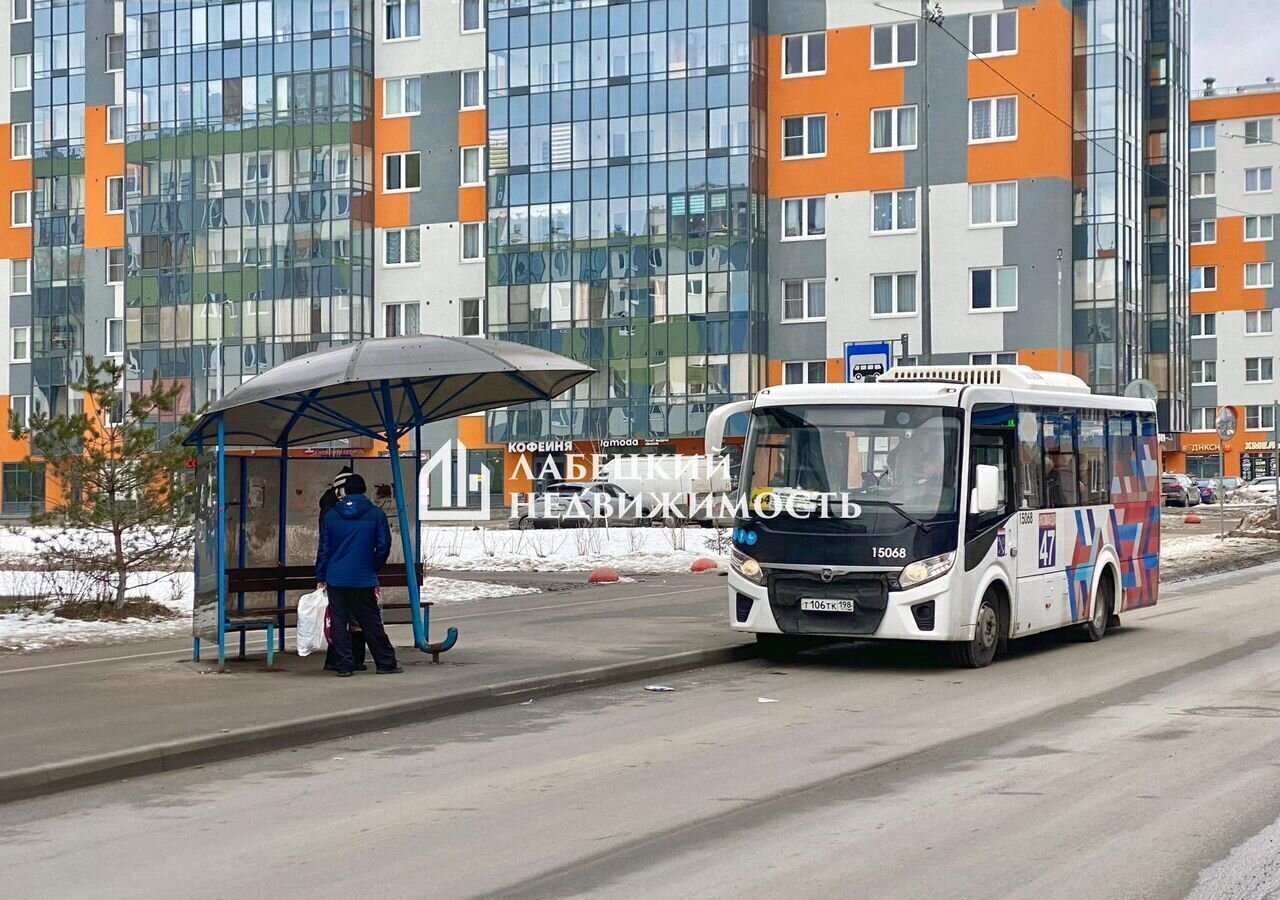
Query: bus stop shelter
(254, 501)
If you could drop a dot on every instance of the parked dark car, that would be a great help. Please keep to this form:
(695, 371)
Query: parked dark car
(1208, 491)
(1173, 491)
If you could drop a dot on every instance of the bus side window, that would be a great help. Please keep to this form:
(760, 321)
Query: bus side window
(1030, 460)
(1095, 476)
(1061, 482)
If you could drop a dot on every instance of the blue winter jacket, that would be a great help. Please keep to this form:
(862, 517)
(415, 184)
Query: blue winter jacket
(355, 541)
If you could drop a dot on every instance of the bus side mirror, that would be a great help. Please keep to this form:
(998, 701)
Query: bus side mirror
(986, 490)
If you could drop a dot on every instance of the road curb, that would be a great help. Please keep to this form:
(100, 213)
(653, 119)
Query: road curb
(170, 756)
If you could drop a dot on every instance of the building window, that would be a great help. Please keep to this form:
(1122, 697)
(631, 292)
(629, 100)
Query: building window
(472, 166)
(1204, 184)
(20, 344)
(401, 319)
(1203, 137)
(993, 34)
(1257, 418)
(402, 247)
(257, 168)
(115, 337)
(1203, 418)
(115, 265)
(402, 172)
(993, 204)
(993, 119)
(473, 89)
(1204, 371)
(1203, 325)
(993, 359)
(804, 136)
(893, 294)
(893, 129)
(115, 53)
(893, 212)
(1204, 231)
(115, 124)
(1257, 181)
(472, 316)
(403, 20)
(805, 372)
(19, 413)
(23, 487)
(21, 140)
(1258, 275)
(20, 11)
(401, 97)
(20, 276)
(804, 54)
(994, 289)
(1259, 228)
(1204, 278)
(472, 16)
(804, 300)
(20, 204)
(893, 45)
(1257, 131)
(1258, 369)
(21, 72)
(472, 241)
(1257, 322)
(115, 194)
(804, 218)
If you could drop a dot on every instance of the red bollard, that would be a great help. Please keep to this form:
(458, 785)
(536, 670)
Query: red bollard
(703, 564)
(603, 575)
(1193, 519)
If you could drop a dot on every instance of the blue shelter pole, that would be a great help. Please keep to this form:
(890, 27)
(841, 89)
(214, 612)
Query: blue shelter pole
(195, 575)
(222, 544)
(282, 542)
(242, 556)
(417, 522)
(407, 543)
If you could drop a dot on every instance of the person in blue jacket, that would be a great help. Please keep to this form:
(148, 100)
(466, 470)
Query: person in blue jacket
(355, 541)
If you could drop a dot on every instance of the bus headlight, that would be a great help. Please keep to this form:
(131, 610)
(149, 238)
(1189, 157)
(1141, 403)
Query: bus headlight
(747, 567)
(926, 570)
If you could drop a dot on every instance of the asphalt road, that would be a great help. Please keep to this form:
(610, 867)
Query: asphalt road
(1125, 769)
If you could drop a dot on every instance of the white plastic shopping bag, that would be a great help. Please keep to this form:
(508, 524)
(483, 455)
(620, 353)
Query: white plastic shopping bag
(311, 615)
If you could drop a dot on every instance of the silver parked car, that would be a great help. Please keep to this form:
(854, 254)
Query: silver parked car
(588, 503)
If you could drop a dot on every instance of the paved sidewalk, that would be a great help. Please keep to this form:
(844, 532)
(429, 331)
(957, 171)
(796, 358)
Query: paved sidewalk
(82, 716)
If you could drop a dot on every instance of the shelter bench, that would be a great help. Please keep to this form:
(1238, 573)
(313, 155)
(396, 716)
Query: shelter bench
(280, 580)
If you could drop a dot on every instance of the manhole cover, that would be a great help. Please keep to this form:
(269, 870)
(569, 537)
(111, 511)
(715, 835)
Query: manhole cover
(1234, 712)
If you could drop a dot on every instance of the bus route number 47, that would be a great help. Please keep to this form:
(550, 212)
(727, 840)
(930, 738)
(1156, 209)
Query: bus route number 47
(1048, 540)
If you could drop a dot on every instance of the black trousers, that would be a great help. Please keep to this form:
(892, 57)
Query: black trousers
(348, 606)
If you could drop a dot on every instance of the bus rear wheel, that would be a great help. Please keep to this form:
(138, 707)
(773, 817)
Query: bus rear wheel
(1104, 601)
(978, 652)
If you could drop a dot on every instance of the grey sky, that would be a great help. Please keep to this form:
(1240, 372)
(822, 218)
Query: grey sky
(1234, 41)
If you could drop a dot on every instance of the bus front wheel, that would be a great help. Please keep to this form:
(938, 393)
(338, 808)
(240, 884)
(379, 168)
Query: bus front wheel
(979, 651)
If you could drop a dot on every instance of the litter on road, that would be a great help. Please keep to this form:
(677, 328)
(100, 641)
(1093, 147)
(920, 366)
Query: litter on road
(659, 688)
(766, 700)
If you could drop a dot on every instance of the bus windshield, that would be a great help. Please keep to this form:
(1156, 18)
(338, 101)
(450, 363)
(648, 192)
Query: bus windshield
(900, 457)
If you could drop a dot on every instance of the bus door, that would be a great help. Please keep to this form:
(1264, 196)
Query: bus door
(992, 538)
(1049, 490)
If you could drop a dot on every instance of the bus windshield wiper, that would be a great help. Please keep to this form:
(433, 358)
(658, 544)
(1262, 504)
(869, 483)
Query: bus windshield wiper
(897, 507)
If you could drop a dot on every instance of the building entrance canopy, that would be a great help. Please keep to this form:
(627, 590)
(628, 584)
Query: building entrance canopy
(383, 390)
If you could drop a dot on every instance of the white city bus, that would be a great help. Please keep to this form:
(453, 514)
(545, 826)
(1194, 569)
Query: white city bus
(960, 504)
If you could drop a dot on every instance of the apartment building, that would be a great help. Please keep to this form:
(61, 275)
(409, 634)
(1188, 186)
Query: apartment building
(700, 198)
(1234, 157)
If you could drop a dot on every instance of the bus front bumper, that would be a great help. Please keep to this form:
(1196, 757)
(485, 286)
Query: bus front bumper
(927, 612)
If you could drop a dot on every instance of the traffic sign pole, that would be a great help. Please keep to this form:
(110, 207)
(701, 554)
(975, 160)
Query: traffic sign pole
(1226, 426)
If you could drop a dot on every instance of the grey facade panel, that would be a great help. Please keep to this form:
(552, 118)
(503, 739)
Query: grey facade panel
(99, 302)
(789, 261)
(796, 340)
(22, 37)
(21, 107)
(1273, 257)
(792, 16)
(1204, 348)
(20, 309)
(99, 88)
(20, 379)
(1202, 208)
(1202, 161)
(1044, 225)
(948, 108)
(435, 135)
(1205, 395)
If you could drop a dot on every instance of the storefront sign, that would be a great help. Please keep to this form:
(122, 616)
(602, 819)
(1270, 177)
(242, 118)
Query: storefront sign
(540, 447)
(1259, 445)
(1256, 465)
(1202, 448)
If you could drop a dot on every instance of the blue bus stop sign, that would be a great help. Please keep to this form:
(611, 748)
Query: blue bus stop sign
(865, 362)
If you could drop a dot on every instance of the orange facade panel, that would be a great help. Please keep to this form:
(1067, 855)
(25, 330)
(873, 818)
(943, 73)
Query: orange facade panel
(1236, 106)
(472, 204)
(389, 136)
(1229, 254)
(473, 128)
(1042, 67)
(101, 161)
(15, 175)
(846, 94)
